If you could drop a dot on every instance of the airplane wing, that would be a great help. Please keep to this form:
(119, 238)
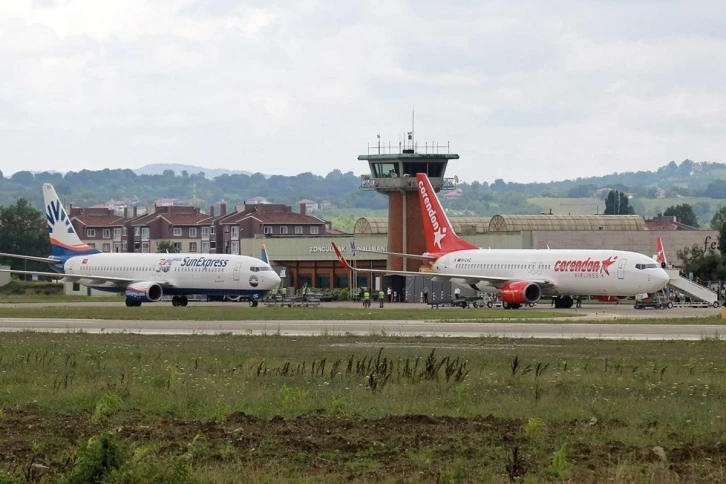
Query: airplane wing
(49, 260)
(468, 278)
(94, 279)
(399, 254)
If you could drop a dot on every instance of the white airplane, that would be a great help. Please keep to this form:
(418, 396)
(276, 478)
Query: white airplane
(147, 277)
(522, 276)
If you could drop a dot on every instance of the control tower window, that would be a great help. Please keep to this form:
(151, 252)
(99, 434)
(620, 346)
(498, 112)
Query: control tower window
(385, 170)
(433, 170)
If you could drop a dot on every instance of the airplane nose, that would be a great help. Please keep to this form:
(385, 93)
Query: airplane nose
(275, 280)
(662, 278)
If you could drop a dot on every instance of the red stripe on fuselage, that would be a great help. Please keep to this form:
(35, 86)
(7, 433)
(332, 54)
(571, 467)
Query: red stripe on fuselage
(76, 248)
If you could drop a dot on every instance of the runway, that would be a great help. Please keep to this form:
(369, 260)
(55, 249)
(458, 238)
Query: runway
(612, 331)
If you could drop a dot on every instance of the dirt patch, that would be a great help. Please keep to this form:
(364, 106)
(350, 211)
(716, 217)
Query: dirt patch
(347, 447)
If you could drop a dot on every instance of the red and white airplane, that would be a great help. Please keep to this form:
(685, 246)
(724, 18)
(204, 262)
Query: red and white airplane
(522, 276)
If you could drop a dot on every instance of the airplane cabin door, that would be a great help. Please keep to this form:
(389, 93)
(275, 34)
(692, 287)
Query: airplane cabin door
(621, 268)
(237, 268)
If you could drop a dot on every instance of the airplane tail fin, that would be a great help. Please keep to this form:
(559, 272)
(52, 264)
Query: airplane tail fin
(263, 254)
(661, 258)
(64, 240)
(440, 236)
(340, 257)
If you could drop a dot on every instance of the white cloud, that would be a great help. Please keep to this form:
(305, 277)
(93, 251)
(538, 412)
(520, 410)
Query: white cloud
(522, 90)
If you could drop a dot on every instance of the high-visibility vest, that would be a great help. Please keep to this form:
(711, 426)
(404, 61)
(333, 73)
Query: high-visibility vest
(366, 295)
(284, 291)
(381, 294)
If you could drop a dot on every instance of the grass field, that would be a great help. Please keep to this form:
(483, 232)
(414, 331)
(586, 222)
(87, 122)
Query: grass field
(242, 313)
(125, 408)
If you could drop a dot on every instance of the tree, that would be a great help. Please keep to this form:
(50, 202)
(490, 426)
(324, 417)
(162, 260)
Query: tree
(23, 231)
(718, 219)
(617, 203)
(683, 213)
(716, 189)
(166, 246)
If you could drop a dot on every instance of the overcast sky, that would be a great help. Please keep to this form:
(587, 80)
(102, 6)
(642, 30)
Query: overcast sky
(523, 91)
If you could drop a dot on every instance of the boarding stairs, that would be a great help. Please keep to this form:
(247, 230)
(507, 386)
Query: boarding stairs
(703, 296)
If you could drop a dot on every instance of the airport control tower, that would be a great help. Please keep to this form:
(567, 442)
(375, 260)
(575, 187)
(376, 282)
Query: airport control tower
(393, 173)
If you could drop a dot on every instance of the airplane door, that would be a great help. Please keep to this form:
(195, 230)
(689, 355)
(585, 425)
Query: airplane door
(621, 268)
(237, 267)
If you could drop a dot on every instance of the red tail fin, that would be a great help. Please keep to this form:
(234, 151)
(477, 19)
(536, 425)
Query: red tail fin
(661, 252)
(342, 260)
(440, 236)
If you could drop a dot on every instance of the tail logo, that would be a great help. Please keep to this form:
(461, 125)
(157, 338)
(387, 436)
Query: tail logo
(438, 235)
(439, 232)
(54, 213)
(607, 263)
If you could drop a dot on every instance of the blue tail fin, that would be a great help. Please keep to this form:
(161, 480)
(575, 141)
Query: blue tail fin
(263, 254)
(64, 241)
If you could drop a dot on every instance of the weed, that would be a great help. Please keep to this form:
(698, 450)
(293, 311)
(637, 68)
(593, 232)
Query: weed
(107, 404)
(515, 466)
(461, 392)
(97, 459)
(533, 428)
(337, 405)
(559, 462)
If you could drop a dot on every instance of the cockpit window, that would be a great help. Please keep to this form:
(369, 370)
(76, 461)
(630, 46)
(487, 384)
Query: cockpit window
(261, 269)
(646, 266)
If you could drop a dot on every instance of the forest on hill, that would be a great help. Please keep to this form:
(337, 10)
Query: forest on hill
(703, 185)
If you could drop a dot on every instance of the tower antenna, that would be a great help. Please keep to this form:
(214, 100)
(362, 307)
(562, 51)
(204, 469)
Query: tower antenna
(413, 131)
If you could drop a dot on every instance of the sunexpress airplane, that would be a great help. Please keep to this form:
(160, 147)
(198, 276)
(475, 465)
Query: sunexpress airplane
(147, 277)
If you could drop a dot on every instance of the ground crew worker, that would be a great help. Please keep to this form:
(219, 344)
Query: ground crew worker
(381, 295)
(426, 295)
(366, 299)
(457, 293)
(283, 291)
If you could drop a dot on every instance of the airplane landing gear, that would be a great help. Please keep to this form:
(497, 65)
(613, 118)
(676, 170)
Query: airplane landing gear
(130, 303)
(253, 303)
(179, 301)
(564, 302)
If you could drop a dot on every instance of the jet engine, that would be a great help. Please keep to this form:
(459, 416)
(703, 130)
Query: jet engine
(520, 292)
(144, 292)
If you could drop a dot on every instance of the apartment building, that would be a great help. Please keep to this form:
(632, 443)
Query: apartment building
(101, 228)
(187, 228)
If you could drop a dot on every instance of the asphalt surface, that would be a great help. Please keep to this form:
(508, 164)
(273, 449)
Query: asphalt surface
(387, 327)
(544, 328)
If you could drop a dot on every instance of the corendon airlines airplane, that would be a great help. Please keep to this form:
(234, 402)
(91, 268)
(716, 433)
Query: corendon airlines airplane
(147, 277)
(522, 276)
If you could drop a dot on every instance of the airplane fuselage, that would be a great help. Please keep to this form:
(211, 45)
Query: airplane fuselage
(568, 272)
(185, 274)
